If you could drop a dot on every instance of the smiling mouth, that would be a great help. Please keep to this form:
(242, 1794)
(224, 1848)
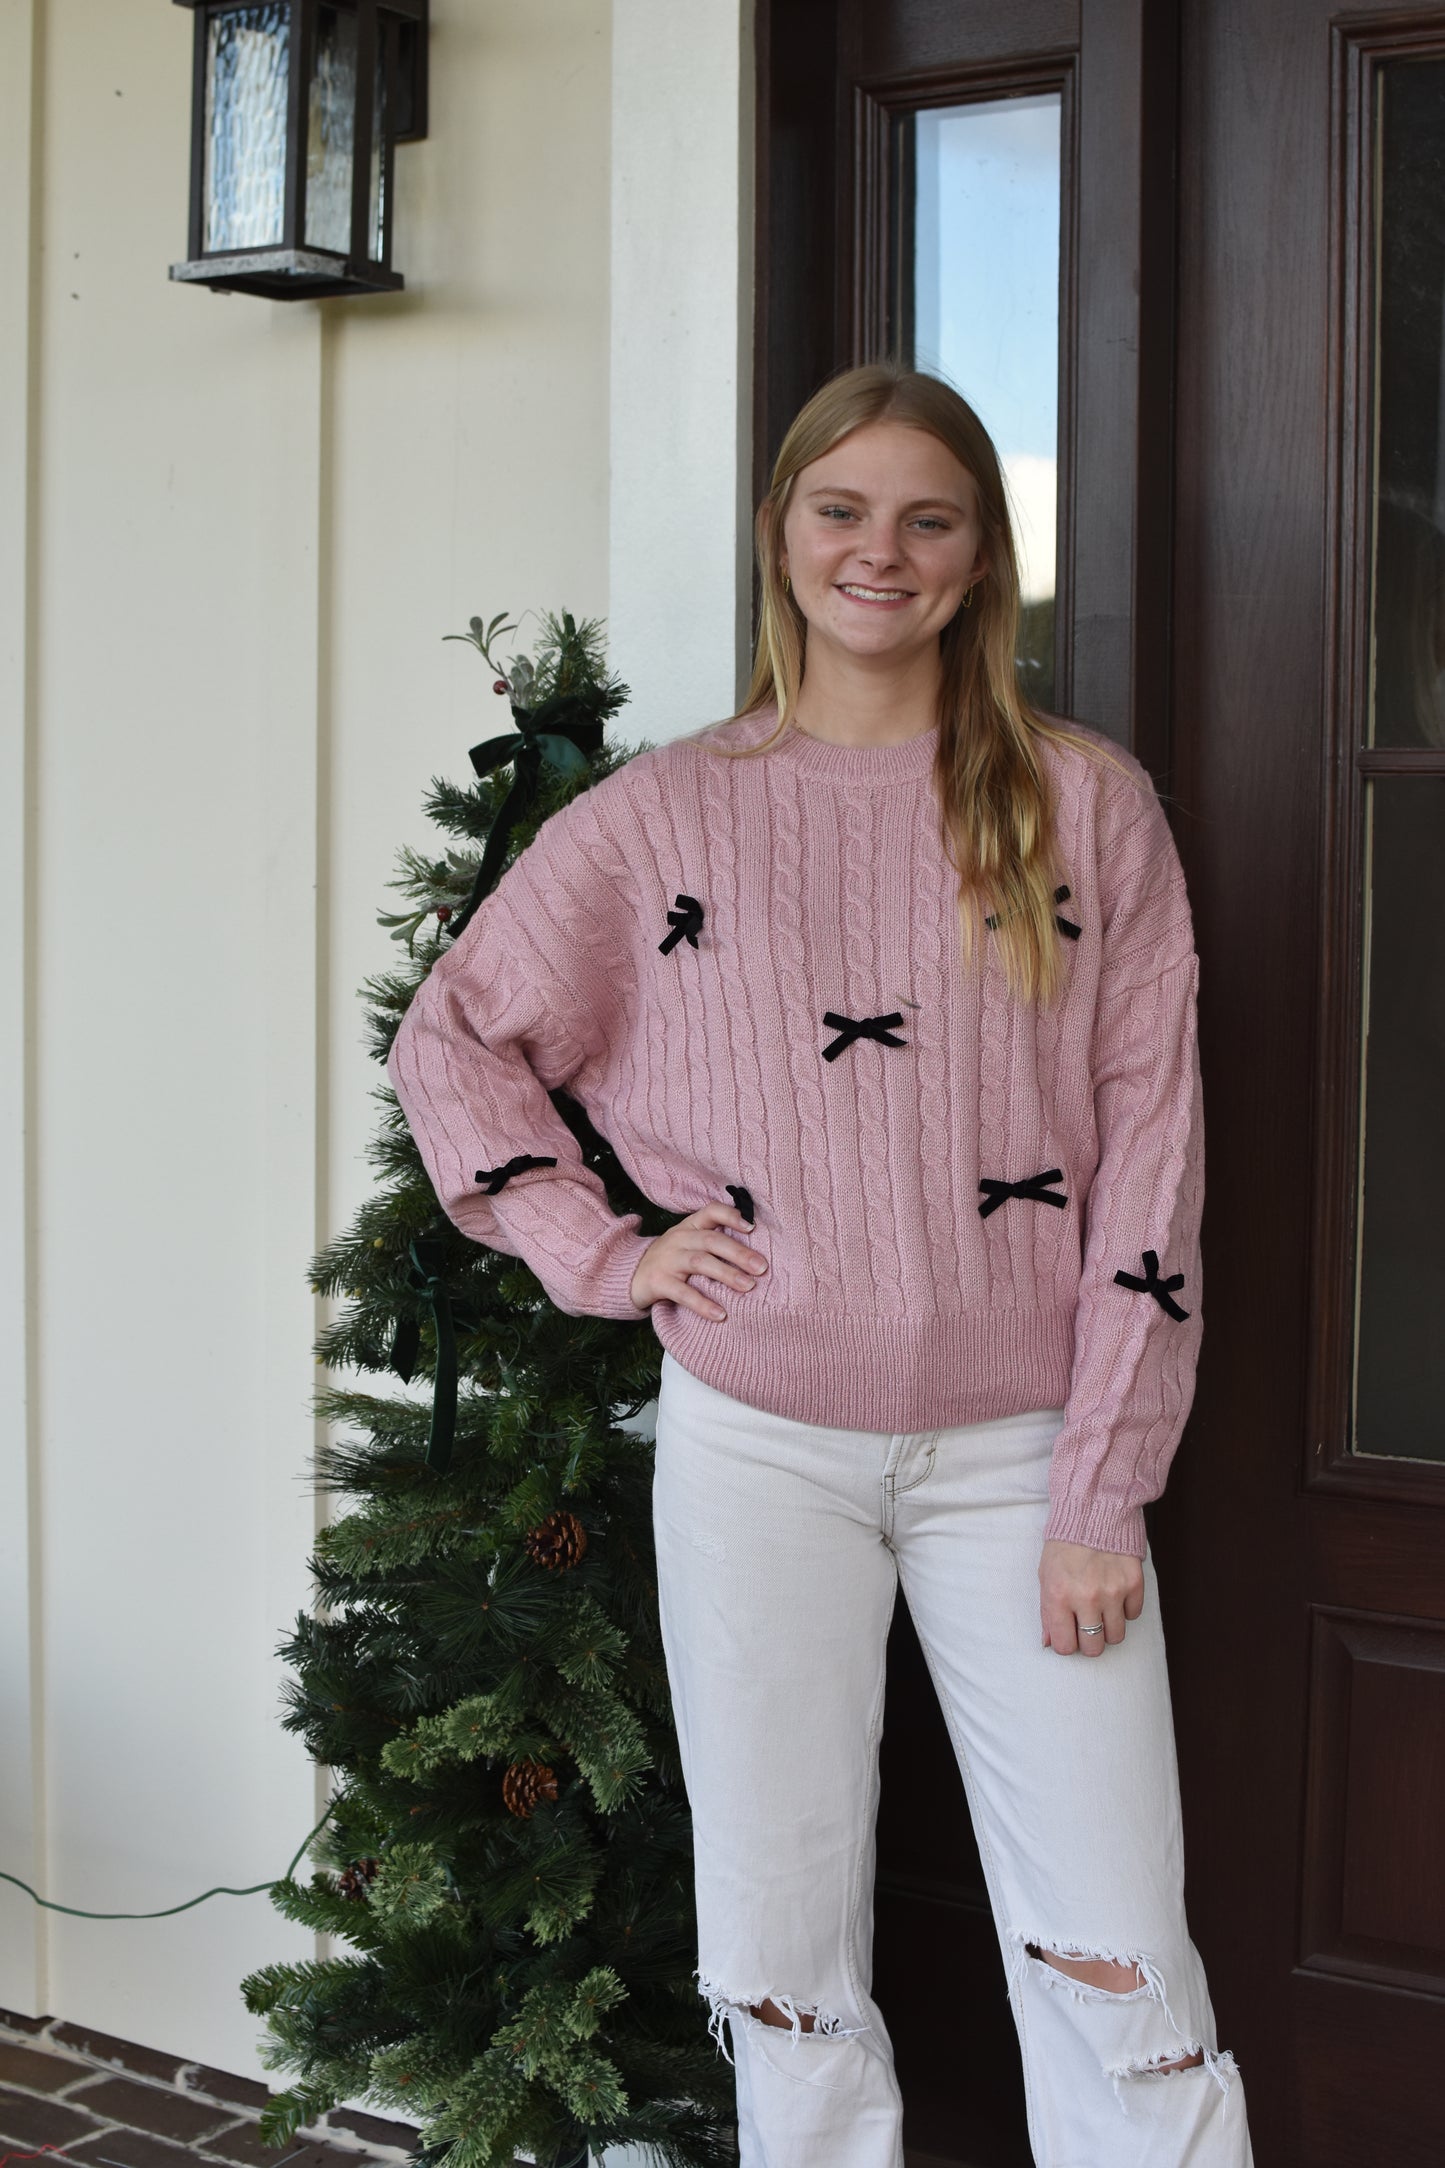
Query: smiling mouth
(874, 594)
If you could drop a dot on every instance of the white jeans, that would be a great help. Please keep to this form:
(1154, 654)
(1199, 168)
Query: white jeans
(780, 1546)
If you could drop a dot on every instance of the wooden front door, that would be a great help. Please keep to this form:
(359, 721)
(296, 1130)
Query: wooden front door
(1251, 591)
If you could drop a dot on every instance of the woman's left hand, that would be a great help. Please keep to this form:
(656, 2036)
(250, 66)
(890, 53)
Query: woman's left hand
(1080, 1587)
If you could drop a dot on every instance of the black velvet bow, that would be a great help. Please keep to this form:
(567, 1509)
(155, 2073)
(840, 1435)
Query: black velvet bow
(564, 730)
(860, 1027)
(426, 1280)
(497, 1177)
(1151, 1284)
(685, 922)
(1065, 925)
(741, 1198)
(1034, 1189)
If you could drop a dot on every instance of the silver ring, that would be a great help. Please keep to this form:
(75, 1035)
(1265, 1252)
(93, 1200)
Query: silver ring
(1091, 1629)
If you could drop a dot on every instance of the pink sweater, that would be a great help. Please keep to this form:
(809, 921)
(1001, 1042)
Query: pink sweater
(969, 1208)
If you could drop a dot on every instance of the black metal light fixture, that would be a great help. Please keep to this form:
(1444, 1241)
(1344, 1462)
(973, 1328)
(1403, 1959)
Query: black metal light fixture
(295, 109)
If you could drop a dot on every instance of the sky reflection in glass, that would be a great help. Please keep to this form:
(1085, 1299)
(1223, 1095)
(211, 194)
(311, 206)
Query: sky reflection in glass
(986, 291)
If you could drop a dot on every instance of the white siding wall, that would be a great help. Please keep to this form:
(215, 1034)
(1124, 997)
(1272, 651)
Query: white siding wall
(232, 534)
(682, 333)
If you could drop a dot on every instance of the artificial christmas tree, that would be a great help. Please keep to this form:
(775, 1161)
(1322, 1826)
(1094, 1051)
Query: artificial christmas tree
(507, 1850)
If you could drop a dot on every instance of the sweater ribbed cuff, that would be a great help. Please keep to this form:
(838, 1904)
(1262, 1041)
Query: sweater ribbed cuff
(607, 1294)
(591, 1277)
(1100, 1522)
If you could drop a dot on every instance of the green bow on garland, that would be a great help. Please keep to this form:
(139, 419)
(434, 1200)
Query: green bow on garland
(565, 729)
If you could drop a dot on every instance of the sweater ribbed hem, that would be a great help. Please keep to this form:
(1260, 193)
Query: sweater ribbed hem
(871, 1373)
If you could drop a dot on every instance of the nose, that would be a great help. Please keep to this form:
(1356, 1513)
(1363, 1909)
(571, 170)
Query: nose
(880, 548)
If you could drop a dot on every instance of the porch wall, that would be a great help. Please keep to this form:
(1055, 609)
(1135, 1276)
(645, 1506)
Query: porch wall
(232, 534)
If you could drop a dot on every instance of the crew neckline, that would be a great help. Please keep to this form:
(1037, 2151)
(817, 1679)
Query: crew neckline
(901, 762)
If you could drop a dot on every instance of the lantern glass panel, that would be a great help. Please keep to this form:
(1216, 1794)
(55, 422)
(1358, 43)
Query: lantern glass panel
(331, 131)
(247, 55)
(376, 229)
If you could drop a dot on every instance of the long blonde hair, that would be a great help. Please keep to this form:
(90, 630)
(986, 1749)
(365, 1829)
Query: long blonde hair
(996, 815)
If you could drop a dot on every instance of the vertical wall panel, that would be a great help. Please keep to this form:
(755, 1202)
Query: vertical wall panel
(22, 1852)
(682, 320)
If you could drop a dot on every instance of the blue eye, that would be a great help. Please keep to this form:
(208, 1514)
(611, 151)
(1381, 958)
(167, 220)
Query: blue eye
(828, 510)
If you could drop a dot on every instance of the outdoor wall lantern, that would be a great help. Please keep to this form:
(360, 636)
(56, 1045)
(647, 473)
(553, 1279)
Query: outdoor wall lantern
(296, 105)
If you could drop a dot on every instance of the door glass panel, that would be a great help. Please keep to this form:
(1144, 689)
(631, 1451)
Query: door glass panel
(1399, 1383)
(1400, 1333)
(985, 312)
(1408, 703)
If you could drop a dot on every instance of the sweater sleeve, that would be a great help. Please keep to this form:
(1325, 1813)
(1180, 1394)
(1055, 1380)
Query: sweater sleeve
(534, 992)
(1137, 1339)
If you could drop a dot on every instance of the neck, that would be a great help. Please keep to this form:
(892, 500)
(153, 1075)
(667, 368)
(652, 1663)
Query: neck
(868, 700)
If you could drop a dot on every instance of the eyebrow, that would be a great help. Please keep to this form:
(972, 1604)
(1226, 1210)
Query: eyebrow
(916, 505)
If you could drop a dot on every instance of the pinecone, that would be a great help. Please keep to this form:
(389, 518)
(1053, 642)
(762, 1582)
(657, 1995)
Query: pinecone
(558, 1543)
(357, 1878)
(524, 1784)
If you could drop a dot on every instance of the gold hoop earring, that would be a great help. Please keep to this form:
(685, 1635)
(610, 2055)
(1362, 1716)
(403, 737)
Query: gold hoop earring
(968, 598)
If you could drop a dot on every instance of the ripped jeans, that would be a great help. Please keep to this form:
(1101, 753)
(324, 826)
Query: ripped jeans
(780, 1546)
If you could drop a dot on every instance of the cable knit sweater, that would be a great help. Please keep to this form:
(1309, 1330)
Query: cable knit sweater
(749, 974)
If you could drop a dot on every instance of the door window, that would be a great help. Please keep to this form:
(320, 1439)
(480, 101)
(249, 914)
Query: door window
(981, 308)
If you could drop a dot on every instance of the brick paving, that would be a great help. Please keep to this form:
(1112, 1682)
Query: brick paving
(71, 2094)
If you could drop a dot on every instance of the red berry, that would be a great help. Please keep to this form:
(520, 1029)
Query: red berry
(500, 686)
(444, 912)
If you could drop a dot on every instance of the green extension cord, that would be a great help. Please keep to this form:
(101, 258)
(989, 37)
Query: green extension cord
(222, 1890)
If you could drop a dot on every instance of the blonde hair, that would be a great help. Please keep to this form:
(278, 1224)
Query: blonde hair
(996, 814)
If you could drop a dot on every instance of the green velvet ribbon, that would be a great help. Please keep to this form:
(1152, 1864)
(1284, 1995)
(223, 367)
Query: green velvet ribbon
(564, 730)
(426, 1278)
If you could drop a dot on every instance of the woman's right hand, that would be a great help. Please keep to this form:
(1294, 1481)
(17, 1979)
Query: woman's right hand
(698, 1243)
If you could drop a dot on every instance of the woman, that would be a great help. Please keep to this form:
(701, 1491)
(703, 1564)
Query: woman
(925, 1012)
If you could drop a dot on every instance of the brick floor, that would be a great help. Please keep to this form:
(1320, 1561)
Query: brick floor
(83, 2096)
(22, 2066)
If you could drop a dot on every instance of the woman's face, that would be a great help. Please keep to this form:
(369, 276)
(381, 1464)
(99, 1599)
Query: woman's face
(882, 539)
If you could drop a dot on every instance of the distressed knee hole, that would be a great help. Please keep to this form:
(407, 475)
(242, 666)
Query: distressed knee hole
(1217, 2062)
(1164, 2068)
(781, 2013)
(769, 2014)
(1107, 1973)
(1102, 1976)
